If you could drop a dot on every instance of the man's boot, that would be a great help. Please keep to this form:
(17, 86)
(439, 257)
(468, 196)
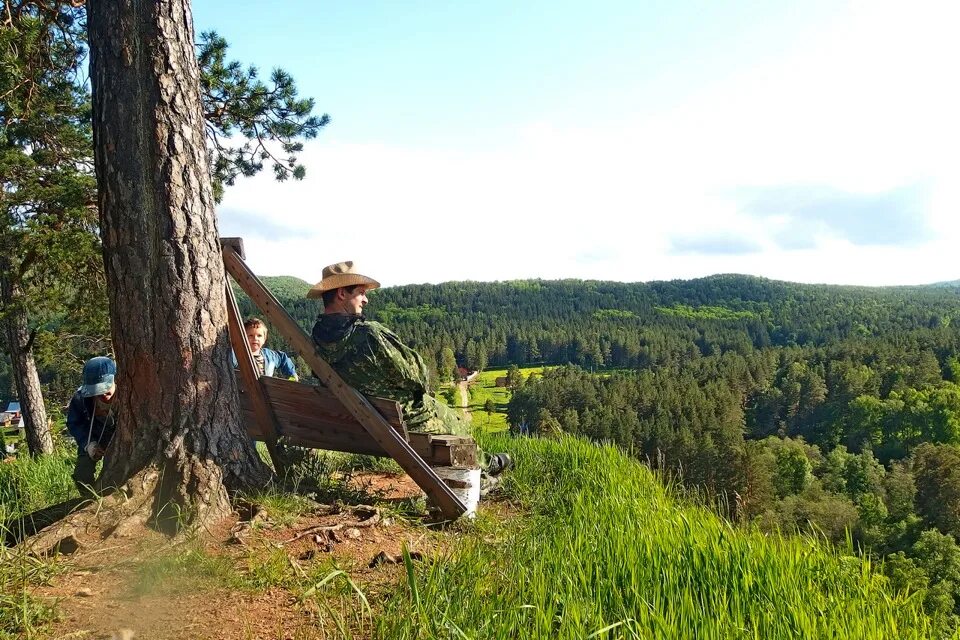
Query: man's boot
(499, 462)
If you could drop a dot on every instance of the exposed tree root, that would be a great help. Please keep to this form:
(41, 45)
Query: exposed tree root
(369, 516)
(16, 531)
(173, 507)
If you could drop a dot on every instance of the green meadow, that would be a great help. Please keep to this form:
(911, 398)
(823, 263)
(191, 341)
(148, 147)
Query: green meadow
(484, 387)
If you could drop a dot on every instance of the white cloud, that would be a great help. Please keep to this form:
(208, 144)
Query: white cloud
(866, 107)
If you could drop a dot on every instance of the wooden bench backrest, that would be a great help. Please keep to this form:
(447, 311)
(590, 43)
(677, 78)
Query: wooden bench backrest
(310, 416)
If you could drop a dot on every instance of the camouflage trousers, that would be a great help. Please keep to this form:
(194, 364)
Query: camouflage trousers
(437, 418)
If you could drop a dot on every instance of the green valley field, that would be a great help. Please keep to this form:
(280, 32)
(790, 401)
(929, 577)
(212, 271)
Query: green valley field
(484, 387)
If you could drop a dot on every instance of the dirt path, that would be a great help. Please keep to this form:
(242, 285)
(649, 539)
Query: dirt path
(216, 588)
(465, 399)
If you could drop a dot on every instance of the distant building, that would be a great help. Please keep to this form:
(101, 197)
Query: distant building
(466, 374)
(501, 381)
(11, 415)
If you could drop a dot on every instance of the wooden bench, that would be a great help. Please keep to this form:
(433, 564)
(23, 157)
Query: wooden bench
(309, 416)
(334, 416)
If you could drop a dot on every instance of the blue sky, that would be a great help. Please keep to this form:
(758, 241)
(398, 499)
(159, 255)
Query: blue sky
(614, 140)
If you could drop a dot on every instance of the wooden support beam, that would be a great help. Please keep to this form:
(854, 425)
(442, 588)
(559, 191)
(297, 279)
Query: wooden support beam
(361, 409)
(265, 420)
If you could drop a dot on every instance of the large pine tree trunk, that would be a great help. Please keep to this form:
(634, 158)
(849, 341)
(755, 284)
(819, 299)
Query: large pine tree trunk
(180, 435)
(39, 440)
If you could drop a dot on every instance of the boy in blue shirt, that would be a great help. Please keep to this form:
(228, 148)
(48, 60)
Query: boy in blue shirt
(267, 361)
(91, 420)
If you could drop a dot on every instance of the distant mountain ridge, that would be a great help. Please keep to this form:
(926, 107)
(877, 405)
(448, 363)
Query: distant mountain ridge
(947, 283)
(286, 287)
(605, 323)
(291, 287)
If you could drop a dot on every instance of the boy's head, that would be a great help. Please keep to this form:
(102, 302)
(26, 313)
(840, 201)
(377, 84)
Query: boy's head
(98, 378)
(256, 330)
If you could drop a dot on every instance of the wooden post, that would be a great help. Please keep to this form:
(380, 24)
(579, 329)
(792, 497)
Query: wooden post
(266, 421)
(236, 244)
(378, 428)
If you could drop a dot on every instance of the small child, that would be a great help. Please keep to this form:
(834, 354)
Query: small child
(268, 362)
(90, 419)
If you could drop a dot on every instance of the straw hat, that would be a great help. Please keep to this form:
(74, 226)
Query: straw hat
(339, 275)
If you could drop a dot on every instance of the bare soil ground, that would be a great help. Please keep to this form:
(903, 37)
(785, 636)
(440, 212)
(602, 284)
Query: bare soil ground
(123, 587)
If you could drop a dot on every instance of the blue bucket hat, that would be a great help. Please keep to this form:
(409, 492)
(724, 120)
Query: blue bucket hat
(98, 376)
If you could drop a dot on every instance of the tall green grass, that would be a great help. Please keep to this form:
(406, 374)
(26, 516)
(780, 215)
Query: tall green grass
(26, 485)
(607, 553)
(598, 549)
(21, 614)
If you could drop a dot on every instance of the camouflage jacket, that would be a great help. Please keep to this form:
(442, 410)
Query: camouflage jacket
(373, 360)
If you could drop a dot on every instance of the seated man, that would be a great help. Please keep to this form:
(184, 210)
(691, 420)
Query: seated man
(267, 361)
(90, 419)
(373, 360)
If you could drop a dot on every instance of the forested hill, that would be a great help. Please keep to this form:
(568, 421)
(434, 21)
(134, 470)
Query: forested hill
(285, 287)
(615, 324)
(949, 283)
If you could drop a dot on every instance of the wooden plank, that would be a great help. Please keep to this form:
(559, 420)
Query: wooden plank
(264, 419)
(446, 450)
(336, 435)
(313, 414)
(361, 409)
(308, 400)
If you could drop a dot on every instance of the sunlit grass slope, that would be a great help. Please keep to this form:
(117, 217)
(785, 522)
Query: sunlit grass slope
(606, 553)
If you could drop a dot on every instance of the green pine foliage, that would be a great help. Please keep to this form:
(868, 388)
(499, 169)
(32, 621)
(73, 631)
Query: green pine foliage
(51, 268)
(286, 287)
(706, 312)
(271, 118)
(623, 325)
(51, 275)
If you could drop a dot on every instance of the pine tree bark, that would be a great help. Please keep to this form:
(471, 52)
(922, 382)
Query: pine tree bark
(180, 435)
(39, 440)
